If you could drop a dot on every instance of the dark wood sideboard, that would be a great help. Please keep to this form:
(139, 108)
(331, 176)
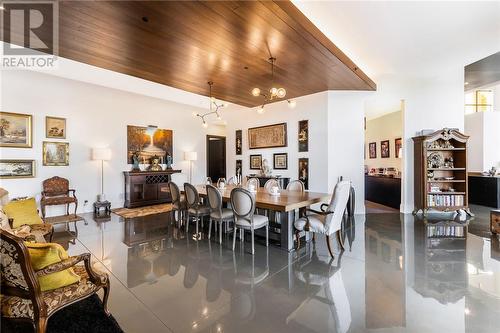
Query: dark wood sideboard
(484, 190)
(144, 188)
(383, 190)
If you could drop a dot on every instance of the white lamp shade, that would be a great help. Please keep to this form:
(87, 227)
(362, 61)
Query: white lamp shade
(190, 156)
(101, 154)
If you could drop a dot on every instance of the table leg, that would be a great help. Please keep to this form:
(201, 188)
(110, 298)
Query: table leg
(286, 219)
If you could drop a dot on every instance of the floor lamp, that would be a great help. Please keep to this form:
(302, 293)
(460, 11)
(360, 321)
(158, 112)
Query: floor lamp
(190, 156)
(101, 154)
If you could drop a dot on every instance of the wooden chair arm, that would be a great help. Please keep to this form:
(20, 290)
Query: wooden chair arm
(319, 212)
(62, 265)
(74, 192)
(324, 207)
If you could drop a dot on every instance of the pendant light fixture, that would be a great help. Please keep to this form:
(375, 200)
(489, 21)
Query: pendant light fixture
(213, 109)
(274, 92)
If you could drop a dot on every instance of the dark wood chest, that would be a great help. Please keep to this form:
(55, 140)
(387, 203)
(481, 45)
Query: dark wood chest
(144, 188)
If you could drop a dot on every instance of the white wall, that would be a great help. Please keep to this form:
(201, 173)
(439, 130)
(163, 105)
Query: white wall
(484, 142)
(387, 127)
(96, 117)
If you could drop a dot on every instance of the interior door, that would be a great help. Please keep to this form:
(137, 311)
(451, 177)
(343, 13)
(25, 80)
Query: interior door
(216, 157)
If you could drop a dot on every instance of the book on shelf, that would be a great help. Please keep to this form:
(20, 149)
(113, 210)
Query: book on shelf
(445, 200)
(445, 231)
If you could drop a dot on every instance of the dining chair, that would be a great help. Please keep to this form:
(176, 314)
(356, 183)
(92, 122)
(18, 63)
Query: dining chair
(253, 181)
(217, 213)
(329, 219)
(243, 205)
(270, 184)
(194, 207)
(296, 186)
(178, 202)
(232, 181)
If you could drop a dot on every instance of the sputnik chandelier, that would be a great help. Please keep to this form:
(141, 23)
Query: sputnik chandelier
(274, 92)
(214, 108)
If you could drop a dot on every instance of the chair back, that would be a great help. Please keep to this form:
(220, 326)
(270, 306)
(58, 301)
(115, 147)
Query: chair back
(214, 198)
(337, 205)
(17, 274)
(253, 181)
(232, 181)
(175, 193)
(270, 184)
(243, 204)
(192, 196)
(55, 186)
(295, 186)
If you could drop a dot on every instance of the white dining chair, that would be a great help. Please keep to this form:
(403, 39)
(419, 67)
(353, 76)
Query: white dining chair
(329, 220)
(218, 214)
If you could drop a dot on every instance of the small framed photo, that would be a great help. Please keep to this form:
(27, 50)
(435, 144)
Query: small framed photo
(398, 144)
(280, 161)
(304, 171)
(55, 128)
(17, 168)
(255, 162)
(55, 153)
(15, 130)
(384, 149)
(372, 148)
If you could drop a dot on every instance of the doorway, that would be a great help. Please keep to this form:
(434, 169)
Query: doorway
(216, 157)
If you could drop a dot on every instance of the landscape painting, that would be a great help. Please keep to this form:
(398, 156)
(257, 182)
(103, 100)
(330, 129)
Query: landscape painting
(55, 128)
(55, 153)
(15, 130)
(148, 142)
(17, 168)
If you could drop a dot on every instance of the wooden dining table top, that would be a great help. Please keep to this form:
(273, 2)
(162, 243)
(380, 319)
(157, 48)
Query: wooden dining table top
(285, 201)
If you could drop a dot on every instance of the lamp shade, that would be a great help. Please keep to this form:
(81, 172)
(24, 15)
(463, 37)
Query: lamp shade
(101, 154)
(190, 156)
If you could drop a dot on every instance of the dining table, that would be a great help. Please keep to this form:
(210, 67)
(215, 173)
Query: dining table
(285, 202)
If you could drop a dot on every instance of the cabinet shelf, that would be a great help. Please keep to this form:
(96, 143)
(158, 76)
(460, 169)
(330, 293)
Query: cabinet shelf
(446, 169)
(447, 181)
(446, 193)
(445, 149)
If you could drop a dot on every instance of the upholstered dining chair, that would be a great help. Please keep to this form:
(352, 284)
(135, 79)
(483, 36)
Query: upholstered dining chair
(329, 220)
(295, 186)
(178, 201)
(243, 205)
(217, 213)
(194, 207)
(253, 181)
(22, 297)
(270, 184)
(232, 181)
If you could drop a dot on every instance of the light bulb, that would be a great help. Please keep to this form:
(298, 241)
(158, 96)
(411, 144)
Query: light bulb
(292, 103)
(195, 114)
(260, 110)
(219, 117)
(256, 92)
(281, 92)
(273, 91)
(205, 125)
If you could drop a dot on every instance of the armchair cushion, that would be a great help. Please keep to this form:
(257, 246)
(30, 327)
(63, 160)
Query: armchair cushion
(45, 254)
(316, 223)
(22, 212)
(4, 220)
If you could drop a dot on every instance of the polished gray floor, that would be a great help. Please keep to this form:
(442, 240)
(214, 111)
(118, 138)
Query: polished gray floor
(391, 278)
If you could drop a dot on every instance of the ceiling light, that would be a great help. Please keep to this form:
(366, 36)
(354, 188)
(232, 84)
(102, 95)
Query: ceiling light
(281, 92)
(466, 83)
(273, 91)
(256, 92)
(292, 103)
(205, 125)
(213, 109)
(260, 109)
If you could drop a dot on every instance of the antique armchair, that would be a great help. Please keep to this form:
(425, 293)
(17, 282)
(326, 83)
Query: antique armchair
(56, 191)
(22, 298)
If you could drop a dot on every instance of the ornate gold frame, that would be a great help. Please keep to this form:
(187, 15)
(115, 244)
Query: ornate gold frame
(29, 131)
(33, 170)
(47, 128)
(44, 157)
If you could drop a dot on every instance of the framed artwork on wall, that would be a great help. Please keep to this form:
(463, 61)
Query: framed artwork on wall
(148, 142)
(17, 168)
(304, 171)
(55, 153)
(16, 130)
(270, 136)
(398, 144)
(239, 168)
(55, 128)
(385, 152)
(255, 162)
(239, 142)
(372, 148)
(303, 135)
(280, 161)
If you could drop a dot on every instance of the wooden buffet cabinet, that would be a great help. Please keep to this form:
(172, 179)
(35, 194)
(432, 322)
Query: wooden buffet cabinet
(144, 188)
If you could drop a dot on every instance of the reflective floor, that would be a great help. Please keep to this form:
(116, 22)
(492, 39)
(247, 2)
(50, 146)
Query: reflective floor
(398, 274)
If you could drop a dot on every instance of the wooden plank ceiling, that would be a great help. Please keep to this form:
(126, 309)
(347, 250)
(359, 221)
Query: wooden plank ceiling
(184, 44)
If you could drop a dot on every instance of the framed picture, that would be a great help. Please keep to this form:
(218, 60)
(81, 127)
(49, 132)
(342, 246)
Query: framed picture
(372, 148)
(239, 168)
(384, 149)
(148, 143)
(55, 153)
(55, 128)
(16, 130)
(270, 136)
(303, 135)
(280, 161)
(255, 162)
(304, 171)
(398, 144)
(17, 168)
(239, 142)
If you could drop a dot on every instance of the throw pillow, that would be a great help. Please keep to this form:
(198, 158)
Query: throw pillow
(22, 212)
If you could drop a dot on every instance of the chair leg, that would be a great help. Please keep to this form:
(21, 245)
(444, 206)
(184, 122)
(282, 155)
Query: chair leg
(105, 298)
(341, 241)
(253, 245)
(234, 237)
(187, 224)
(297, 238)
(41, 325)
(197, 228)
(329, 246)
(267, 235)
(220, 231)
(314, 237)
(210, 229)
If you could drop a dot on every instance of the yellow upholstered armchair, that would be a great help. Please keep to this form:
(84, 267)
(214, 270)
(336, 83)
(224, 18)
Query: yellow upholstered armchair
(35, 293)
